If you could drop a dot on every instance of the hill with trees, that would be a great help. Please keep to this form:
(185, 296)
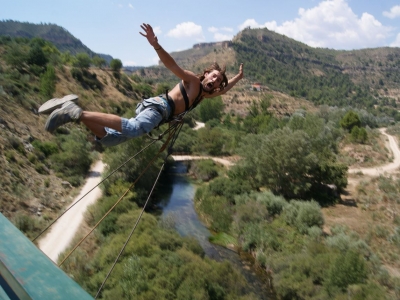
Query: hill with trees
(290, 163)
(57, 35)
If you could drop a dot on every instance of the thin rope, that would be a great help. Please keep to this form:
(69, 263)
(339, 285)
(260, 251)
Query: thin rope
(124, 163)
(109, 211)
(172, 137)
(130, 234)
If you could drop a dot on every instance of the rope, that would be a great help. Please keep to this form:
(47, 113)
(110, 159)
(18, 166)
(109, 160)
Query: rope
(109, 211)
(130, 234)
(172, 137)
(124, 163)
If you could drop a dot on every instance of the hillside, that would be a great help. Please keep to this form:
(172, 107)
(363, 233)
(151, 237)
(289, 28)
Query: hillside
(59, 36)
(259, 49)
(284, 81)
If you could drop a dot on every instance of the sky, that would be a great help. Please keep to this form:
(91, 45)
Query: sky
(112, 26)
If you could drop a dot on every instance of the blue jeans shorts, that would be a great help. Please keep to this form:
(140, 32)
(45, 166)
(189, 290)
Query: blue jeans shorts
(149, 113)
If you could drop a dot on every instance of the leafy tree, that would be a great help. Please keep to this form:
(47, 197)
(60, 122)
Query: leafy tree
(288, 163)
(99, 61)
(16, 56)
(359, 135)
(348, 268)
(211, 108)
(210, 141)
(350, 120)
(48, 82)
(116, 64)
(36, 56)
(82, 61)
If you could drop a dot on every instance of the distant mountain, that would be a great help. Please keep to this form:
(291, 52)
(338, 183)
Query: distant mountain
(59, 36)
(360, 78)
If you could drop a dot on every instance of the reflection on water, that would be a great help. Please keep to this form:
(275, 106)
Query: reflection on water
(177, 200)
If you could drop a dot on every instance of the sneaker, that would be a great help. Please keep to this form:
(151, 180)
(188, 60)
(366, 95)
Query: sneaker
(52, 104)
(69, 112)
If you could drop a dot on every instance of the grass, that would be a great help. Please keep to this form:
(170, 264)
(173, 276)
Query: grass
(223, 239)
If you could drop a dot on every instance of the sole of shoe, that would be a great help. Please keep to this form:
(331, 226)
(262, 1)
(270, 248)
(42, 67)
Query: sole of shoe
(49, 106)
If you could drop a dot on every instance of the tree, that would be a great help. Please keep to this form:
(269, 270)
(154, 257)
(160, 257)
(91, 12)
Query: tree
(288, 163)
(83, 61)
(36, 56)
(211, 108)
(99, 61)
(116, 64)
(48, 82)
(350, 120)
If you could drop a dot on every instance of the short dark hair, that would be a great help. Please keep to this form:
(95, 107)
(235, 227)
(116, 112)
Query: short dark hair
(212, 67)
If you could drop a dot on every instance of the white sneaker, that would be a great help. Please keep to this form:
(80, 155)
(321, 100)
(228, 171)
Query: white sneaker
(55, 103)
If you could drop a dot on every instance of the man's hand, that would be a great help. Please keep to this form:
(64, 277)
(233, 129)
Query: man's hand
(241, 71)
(149, 35)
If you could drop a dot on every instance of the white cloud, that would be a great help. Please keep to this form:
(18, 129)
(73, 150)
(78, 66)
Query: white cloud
(222, 37)
(187, 30)
(157, 30)
(332, 24)
(130, 6)
(129, 63)
(396, 42)
(218, 36)
(393, 13)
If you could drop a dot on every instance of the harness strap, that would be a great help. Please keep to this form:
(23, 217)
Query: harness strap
(186, 98)
(184, 94)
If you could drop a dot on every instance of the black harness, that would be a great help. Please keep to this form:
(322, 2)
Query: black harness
(186, 98)
(171, 103)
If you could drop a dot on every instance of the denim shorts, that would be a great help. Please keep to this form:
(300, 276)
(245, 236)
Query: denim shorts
(149, 113)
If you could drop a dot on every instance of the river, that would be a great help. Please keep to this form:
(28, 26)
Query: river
(177, 194)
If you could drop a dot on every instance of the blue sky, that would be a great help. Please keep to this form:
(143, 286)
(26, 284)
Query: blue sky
(112, 27)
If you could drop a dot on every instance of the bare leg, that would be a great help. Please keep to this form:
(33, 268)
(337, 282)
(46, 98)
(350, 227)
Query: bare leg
(96, 122)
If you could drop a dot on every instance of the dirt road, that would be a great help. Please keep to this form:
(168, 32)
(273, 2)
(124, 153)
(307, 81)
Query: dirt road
(388, 168)
(63, 231)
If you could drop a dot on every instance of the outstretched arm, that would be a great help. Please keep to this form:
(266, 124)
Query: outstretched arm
(164, 56)
(231, 83)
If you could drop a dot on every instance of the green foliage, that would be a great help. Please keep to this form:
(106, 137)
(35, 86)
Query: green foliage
(116, 64)
(350, 120)
(204, 169)
(211, 108)
(359, 135)
(47, 147)
(303, 215)
(159, 264)
(99, 61)
(348, 268)
(161, 88)
(210, 141)
(36, 56)
(48, 82)
(82, 61)
(74, 161)
(129, 172)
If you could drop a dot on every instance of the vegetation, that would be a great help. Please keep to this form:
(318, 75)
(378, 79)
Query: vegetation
(269, 204)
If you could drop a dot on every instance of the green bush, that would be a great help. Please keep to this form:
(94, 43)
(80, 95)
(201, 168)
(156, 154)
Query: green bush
(304, 215)
(348, 268)
(204, 169)
(47, 148)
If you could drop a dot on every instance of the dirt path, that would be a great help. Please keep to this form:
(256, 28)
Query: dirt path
(63, 231)
(220, 160)
(388, 168)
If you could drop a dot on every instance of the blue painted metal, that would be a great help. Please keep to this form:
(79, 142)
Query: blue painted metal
(29, 273)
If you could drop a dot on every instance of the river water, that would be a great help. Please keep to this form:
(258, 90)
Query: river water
(177, 202)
